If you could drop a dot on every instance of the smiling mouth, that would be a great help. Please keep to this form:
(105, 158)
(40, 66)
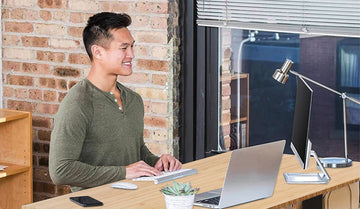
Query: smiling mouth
(127, 63)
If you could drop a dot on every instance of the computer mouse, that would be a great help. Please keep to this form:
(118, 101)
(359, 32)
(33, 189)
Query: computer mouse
(124, 185)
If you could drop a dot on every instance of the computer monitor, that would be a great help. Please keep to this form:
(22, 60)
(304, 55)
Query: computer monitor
(300, 143)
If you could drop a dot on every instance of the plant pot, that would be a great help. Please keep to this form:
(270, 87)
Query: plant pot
(179, 202)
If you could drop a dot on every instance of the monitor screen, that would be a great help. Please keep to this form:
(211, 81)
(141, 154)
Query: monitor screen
(300, 144)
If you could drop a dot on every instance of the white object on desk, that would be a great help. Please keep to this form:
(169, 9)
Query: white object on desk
(124, 185)
(168, 176)
(2, 167)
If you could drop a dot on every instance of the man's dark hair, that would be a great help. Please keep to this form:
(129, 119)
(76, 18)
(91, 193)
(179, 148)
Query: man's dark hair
(97, 30)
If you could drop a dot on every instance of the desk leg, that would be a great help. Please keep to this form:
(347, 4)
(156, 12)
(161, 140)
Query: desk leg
(345, 197)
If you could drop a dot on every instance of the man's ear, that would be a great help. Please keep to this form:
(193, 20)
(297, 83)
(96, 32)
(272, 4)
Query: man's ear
(97, 51)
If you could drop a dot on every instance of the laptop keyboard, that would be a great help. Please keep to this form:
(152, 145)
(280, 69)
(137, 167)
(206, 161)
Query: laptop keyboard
(213, 201)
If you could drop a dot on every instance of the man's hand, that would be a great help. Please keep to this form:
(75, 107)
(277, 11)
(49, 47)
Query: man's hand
(140, 168)
(167, 163)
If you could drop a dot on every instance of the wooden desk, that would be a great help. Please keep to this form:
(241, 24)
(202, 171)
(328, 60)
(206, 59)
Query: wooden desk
(211, 174)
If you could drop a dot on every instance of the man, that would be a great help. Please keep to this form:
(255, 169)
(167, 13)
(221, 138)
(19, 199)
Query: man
(98, 130)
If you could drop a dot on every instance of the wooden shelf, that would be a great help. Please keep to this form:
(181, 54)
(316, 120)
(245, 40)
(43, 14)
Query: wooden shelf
(236, 120)
(241, 76)
(16, 181)
(9, 115)
(12, 169)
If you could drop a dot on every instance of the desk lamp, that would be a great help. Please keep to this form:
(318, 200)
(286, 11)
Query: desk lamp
(281, 75)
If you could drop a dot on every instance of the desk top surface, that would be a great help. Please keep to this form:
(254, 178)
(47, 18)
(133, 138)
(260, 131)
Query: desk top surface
(210, 177)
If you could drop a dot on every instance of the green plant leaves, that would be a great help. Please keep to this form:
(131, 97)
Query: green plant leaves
(179, 189)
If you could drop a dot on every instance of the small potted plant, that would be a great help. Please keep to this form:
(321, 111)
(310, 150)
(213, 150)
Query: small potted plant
(179, 196)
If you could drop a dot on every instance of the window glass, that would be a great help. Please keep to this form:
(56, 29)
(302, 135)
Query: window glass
(256, 109)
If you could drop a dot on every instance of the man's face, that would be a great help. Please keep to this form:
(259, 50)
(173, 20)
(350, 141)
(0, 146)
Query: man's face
(119, 54)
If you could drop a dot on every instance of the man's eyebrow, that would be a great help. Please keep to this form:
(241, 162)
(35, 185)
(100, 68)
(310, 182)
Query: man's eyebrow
(127, 44)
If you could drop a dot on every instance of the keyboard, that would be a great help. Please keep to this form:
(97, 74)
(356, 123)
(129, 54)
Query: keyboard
(168, 176)
(212, 201)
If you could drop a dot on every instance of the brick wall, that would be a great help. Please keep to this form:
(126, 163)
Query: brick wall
(43, 57)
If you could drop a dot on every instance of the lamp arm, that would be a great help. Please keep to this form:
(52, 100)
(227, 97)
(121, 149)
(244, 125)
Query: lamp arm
(343, 95)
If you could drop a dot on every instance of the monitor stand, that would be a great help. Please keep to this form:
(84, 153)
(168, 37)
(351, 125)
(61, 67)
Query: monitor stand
(309, 178)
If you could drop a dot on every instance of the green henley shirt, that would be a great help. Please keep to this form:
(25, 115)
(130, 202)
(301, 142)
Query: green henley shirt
(93, 139)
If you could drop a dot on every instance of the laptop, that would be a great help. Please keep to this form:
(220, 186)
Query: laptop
(251, 175)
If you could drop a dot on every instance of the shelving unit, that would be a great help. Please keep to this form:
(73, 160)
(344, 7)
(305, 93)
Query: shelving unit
(16, 184)
(240, 82)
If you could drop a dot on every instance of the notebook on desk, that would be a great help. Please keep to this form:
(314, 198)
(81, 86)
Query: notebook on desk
(251, 175)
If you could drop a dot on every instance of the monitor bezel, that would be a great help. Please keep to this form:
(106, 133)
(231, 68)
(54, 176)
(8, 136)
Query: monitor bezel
(308, 146)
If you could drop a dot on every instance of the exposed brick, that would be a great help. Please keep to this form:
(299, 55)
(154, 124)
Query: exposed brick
(75, 32)
(10, 66)
(20, 93)
(66, 72)
(43, 122)
(60, 16)
(76, 17)
(61, 96)
(44, 187)
(19, 3)
(23, 54)
(159, 107)
(35, 94)
(31, 15)
(159, 23)
(226, 103)
(47, 108)
(71, 84)
(34, 41)
(20, 80)
(25, 14)
(17, 14)
(50, 29)
(152, 93)
(159, 135)
(159, 79)
(36, 68)
(140, 21)
(45, 15)
(118, 6)
(160, 52)
(41, 174)
(5, 13)
(50, 56)
(79, 59)
(49, 96)
(54, 4)
(41, 147)
(41, 196)
(84, 5)
(155, 121)
(157, 149)
(141, 51)
(35, 159)
(20, 105)
(53, 83)
(62, 189)
(8, 91)
(146, 134)
(150, 37)
(135, 78)
(146, 106)
(155, 65)
(18, 27)
(150, 7)
(64, 44)
(10, 40)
